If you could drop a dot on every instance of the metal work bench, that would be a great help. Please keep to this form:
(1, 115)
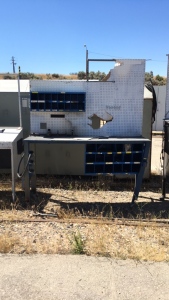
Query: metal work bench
(103, 155)
(10, 151)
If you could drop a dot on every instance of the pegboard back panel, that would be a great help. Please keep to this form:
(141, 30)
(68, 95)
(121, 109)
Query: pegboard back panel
(112, 108)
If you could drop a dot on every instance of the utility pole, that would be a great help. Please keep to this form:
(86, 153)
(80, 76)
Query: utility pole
(19, 98)
(13, 63)
(87, 64)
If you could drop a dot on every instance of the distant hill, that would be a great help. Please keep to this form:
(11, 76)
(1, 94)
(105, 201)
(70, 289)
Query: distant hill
(156, 80)
(49, 76)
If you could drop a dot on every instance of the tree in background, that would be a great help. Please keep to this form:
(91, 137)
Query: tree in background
(81, 75)
(55, 75)
(148, 76)
(157, 80)
(92, 75)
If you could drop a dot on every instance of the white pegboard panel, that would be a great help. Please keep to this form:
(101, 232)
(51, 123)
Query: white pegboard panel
(121, 97)
(167, 93)
(57, 85)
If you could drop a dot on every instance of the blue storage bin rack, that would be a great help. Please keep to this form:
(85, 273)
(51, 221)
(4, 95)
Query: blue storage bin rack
(58, 101)
(114, 158)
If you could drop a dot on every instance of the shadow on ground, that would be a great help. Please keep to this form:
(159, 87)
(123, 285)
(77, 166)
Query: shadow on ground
(143, 209)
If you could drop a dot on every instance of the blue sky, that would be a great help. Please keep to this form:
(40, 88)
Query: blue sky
(49, 36)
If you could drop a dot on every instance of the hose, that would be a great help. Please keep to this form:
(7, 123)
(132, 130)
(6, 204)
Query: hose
(150, 87)
(22, 174)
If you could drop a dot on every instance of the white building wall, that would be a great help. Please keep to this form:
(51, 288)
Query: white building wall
(160, 114)
(167, 93)
(121, 97)
(8, 85)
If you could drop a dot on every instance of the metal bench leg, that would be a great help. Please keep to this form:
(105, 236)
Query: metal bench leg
(26, 175)
(139, 176)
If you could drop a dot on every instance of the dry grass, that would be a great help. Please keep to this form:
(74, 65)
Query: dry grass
(15, 243)
(116, 241)
(8, 242)
(145, 246)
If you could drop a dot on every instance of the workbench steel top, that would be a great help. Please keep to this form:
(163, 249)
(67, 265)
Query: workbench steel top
(79, 139)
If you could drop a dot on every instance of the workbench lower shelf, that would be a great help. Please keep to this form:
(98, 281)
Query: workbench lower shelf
(119, 156)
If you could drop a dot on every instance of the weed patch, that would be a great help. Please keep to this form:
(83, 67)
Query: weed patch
(78, 244)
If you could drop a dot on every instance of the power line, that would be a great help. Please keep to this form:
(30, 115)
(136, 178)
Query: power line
(100, 53)
(162, 61)
(150, 59)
